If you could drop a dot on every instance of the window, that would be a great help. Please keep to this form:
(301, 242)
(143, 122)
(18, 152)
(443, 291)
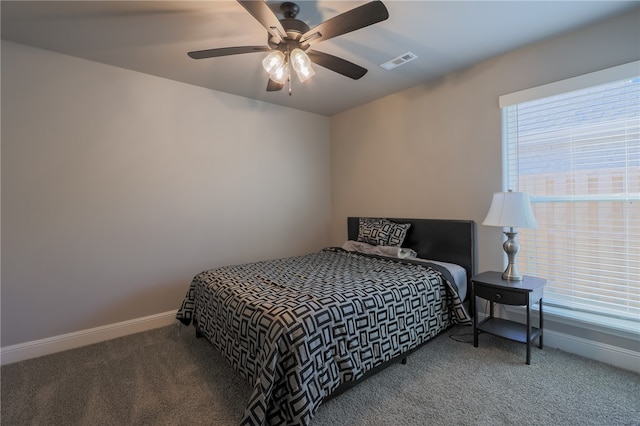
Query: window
(574, 146)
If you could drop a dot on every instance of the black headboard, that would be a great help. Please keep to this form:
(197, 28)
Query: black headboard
(450, 241)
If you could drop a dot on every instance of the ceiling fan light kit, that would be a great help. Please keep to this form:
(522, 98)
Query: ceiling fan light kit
(277, 65)
(289, 41)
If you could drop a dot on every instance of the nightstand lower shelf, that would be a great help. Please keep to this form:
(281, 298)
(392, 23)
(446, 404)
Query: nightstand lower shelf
(508, 329)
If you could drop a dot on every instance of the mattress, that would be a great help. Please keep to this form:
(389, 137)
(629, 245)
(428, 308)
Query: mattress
(458, 273)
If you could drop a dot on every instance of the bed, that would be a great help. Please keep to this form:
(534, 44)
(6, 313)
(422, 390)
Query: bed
(303, 329)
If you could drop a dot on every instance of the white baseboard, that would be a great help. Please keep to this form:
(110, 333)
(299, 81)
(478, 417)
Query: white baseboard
(36, 348)
(619, 357)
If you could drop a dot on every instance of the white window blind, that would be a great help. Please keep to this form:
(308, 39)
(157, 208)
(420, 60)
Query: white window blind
(577, 154)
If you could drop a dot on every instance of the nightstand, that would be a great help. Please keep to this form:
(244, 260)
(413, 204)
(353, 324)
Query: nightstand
(490, 286)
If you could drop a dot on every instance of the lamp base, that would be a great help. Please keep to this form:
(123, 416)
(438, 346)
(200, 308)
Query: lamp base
(512, 273)
(511, 247)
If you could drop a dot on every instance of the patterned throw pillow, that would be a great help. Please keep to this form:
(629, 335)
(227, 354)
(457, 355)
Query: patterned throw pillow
(374, 231)
(397, 233)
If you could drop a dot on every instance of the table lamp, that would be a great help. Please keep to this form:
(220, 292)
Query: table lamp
(512, 210)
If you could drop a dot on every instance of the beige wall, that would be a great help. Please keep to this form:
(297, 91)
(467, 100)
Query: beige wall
(118, 187)
(434, 151)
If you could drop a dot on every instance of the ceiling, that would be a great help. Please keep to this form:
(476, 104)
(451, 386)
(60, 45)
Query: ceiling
(154, 37)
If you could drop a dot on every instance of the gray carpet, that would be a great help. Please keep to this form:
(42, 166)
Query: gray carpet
(168, 377)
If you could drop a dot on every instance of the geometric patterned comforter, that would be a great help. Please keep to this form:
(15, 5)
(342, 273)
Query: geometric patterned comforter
(297, 328)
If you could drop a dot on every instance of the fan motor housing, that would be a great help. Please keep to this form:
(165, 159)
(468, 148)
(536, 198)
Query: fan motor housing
(294, 27)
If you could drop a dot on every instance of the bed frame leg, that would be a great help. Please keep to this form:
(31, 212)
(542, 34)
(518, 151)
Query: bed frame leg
(404, 361)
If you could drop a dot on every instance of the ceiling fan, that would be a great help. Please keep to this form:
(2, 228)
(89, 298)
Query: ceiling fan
(290, 40)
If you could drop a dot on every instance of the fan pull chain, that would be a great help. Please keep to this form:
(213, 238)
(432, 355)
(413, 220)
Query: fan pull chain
(289, 69)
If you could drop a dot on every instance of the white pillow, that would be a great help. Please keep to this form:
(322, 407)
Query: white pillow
(361, 247)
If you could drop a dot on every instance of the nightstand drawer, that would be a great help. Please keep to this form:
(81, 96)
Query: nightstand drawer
(503, 296)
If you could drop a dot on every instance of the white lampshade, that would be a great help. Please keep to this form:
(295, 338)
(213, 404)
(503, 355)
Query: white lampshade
(512, 209)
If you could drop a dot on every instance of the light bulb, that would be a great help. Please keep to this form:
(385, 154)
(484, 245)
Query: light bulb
(281, 74)
(301, 64)
(273, 61)
(305, 73)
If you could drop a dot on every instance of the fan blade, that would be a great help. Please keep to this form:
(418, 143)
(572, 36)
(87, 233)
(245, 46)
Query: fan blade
(339, 65)
(226, 51)
(259, 10)
(273, 86)
(351, 20)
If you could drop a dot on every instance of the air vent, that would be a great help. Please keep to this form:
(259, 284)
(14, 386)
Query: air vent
(399, 60)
